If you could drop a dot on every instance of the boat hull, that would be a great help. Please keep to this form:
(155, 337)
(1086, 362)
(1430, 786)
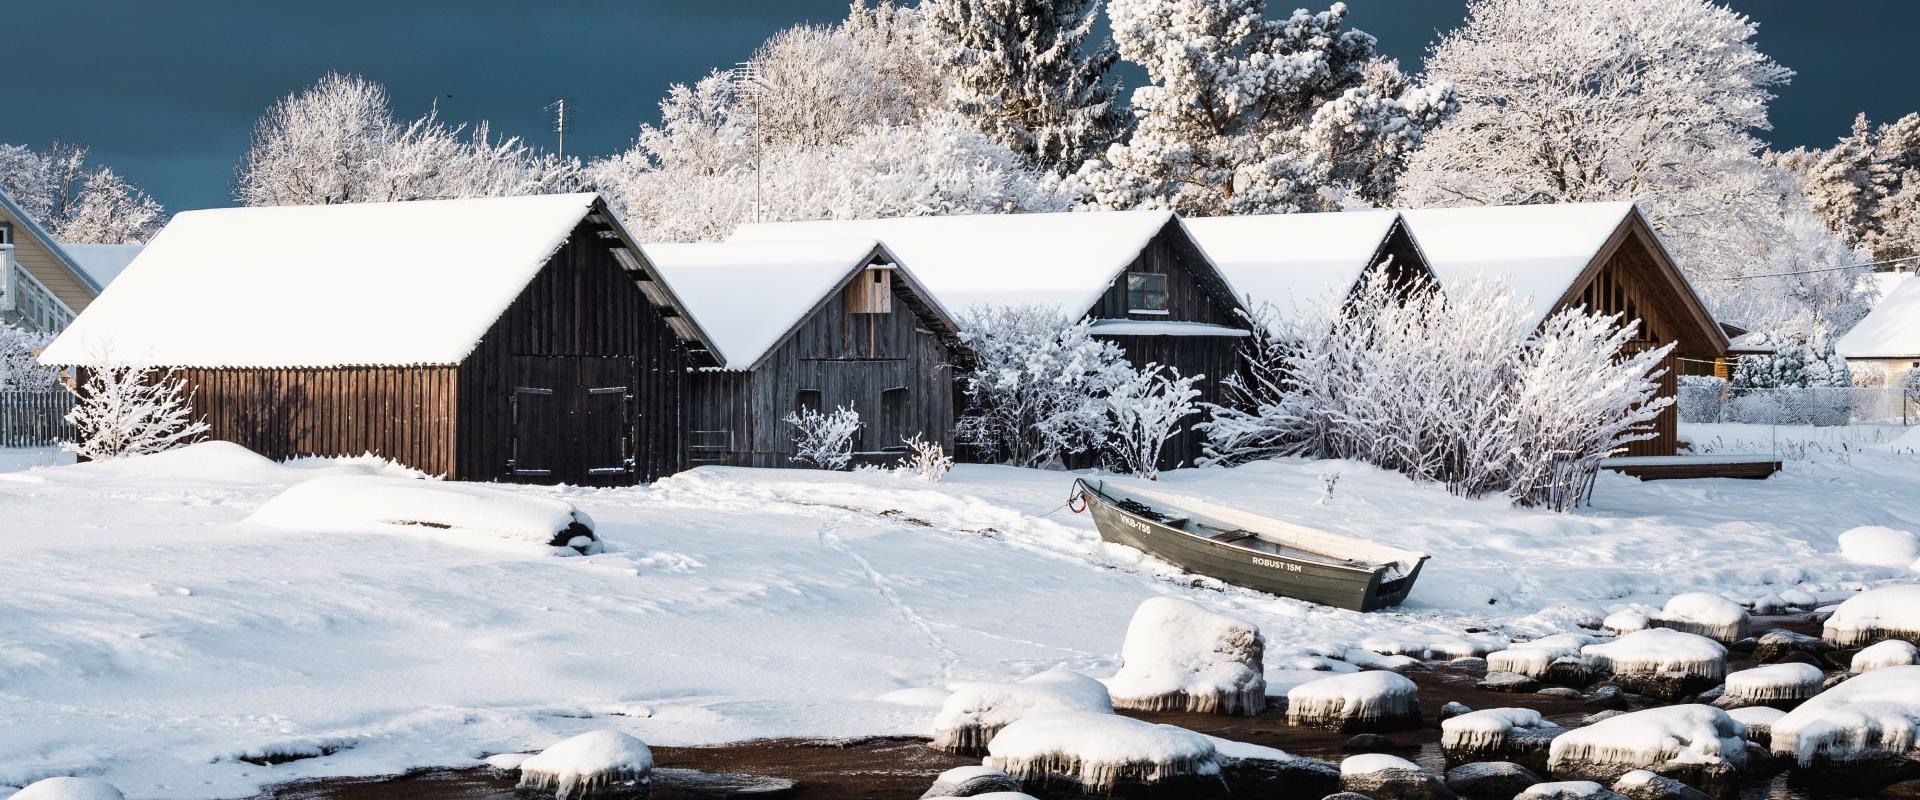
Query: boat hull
(1303, 579)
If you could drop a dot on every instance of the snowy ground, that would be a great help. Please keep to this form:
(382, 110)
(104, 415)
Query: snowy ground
(148, 635)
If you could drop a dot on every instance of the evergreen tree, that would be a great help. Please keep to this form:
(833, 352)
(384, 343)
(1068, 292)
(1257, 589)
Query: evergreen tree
(1867, 186)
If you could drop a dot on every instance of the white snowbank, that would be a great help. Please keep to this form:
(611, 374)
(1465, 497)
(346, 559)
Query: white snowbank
(1532, 658)
(1706, 614)
(203, 465)
(1880, 546)
(1359, 697)
(977, 711)
(1659, 651)
(367, 503)
(1773, 682)
(1179, 656)
(1100, 751)
(1369, 763)
(1872, 714)
(588, 764)
(1697, 735)
(1890, 653)
(1491, 728)
(1889, 612)
(69, 789)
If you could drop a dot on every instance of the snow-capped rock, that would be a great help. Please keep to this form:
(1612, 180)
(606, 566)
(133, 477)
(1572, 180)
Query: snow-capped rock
(1641, 784)
(1890, 653)
(1698, 744)
(1627, 620)
(1567, 790)
(1490, 779)
(1360, 700)
(977, 711)
(1181, 657)
(1384, 777)
(1103, 754)
(1250, 770)
(1868, 725)
(1758, 721)
(1779, 645)
(1706, 614)
(600, 763)
(1781, 685)
(1889, 612)
(1532, 658)
(1519, 735)
(1659, 662)
(69, 789)
(970, 782)
(1880, 546)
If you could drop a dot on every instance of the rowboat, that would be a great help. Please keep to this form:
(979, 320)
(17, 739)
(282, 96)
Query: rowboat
(1250, 550)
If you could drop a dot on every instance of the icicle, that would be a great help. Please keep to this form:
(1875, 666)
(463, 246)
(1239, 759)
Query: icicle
(1100, 754)
(1773, 683)
(591, 765)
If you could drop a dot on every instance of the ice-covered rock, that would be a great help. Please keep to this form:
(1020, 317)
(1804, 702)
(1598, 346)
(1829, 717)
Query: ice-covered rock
(1360, 700)
(1782, 685)
(1706, 614)
(1508, 682)
(1103, 754)
(1567, 790)
(69, 789)
(1880, 546)
(1181, 657)
(1697, 744)
(1608, 696)
(1519, 735)
(971, 782)
(1627, 620)
(1490, 779)
(1532, 658)
(1659, 662)
(1384, 777)
(1869, 725)
(1889, 612)
(1251, 770)
(1890, 653)
(1758, 721)
(1453, 708)
(1641, 784)
(595, 764)
(977, 711)
(990, 796)
(1780, 645)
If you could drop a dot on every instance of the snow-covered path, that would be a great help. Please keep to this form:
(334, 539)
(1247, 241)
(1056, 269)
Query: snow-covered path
(151, 636)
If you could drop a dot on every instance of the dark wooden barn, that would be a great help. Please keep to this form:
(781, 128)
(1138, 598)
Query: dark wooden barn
(506, 339)
(1138, 274)
(1287, 264)
(813, 324)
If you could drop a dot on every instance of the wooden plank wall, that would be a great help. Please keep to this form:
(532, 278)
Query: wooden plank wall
(405, 414)
(1625, 285)
(581, 304)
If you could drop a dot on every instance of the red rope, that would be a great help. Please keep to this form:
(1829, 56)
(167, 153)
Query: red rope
(1076, 498)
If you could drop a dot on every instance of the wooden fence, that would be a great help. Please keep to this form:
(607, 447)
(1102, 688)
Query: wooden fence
(34, 419)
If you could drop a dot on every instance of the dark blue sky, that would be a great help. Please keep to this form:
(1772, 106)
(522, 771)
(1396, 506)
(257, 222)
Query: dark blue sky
(167, 92)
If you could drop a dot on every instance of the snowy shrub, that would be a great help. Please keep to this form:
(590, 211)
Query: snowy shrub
(1701, 398)
(1036, 389)
(1804, 381)
(1454, 388)
(925, 460)
(20, 371)
(824, 440)
(126, 409)
(1146, 406)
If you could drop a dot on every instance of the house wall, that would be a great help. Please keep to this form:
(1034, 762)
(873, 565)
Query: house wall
(892, 368)
(36, 257)
(1627, 284)
(580, 325)
(405, 414)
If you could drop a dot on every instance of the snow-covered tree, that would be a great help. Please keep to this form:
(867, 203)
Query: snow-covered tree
(1021, 71)
(1867, 186)
(74, 201)
(824, 440)
(820, 85)
(130, 409)
(20, 369)
(1575, 401)
(338, 142)
(1147, 406)
(1247, 114)
(1036, 390)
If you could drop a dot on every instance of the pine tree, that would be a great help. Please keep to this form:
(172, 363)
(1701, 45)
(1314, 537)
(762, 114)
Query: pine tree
(1867, 186)
(1021, 71)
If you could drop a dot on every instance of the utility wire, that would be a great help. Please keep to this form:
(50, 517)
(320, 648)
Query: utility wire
(1812, 271)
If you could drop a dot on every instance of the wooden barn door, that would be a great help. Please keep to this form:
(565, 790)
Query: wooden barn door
(606, 422)
(573, 420)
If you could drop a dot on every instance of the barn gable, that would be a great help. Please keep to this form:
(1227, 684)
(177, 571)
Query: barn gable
(1297, 263)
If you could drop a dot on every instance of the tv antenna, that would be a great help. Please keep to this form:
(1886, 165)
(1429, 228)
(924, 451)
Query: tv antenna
(746, 79)
(559, 109)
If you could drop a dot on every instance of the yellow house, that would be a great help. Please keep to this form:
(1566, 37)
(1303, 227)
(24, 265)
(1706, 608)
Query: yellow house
(41, 284)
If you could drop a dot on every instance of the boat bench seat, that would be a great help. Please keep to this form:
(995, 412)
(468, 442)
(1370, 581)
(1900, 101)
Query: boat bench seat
(1226, 536)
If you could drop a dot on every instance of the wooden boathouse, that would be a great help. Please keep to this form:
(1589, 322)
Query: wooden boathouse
(499, 339)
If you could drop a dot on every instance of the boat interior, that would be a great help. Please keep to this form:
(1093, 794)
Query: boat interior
(1238, 537)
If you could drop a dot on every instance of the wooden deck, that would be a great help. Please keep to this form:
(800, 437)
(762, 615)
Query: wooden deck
(1656, 468)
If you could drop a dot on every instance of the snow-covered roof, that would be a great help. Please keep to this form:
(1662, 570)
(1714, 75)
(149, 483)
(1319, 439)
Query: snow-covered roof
(1293, 261)
(1891, 330)
(748, 296)
(102, 262)
(1147, 327)
(20, 215)
(1063, 260)
(368, 284)
(1539, 250)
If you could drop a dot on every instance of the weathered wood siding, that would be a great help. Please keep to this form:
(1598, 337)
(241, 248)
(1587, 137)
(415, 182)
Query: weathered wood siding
(40, 261)
(572, 328)
(1626, 284)
(894, 369)
(402, 413)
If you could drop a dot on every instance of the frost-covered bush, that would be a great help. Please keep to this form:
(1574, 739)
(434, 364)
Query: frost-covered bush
(1804, 381)
(1146, 406)
(1455, 388)
(129, 409)
(1036, 391)
(824, 440)
(925, 460)
(1701, 398)
(20, 371)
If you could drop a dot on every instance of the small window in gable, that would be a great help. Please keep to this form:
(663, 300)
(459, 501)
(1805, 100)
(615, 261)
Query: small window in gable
(871, 292)
(6, 233)
(1146, 293)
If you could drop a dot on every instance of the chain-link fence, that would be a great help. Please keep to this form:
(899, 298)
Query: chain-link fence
(1707, 400)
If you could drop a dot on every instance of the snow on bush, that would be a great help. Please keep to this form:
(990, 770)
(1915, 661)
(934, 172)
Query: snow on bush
(824, 440)
(1495, 730)
(1355, 700)
(1660, 662)
(977, 711)
(372, 503)
(1146, 407)
(1890, 653)
(20, 368)
(1774, 683)
(1701, 398)
(1532, 658)
(1457, 388)
(1036, 390)
(1871, 718)
(1888, 612)
(1180, 657)
(130, 409)
(925, 460)
(1706, 614)
(1880, 546)
(593, 764)
(69, 789)
(1099, 754)
(1689, 742)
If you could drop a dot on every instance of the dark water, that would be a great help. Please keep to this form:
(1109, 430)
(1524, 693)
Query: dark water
(900, 768)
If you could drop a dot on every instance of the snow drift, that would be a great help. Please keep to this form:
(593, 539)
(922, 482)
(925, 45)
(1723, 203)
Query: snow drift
(975, 712)
(1880, 546)
(369, 503)
(69, 789)
(1181, 657)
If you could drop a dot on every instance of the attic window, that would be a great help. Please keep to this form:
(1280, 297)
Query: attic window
(1146, 293)
(6, 233)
